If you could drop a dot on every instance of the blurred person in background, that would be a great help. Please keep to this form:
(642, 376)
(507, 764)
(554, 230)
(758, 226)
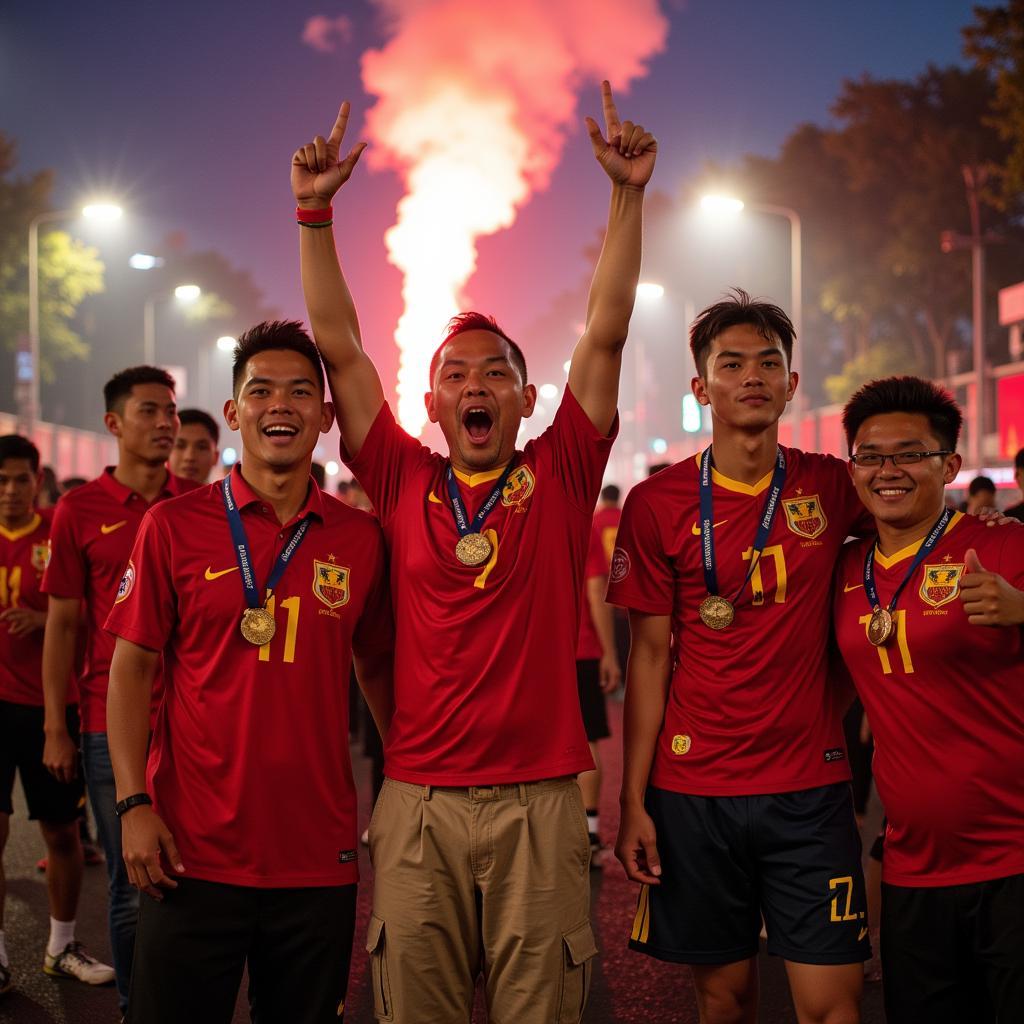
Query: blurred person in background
(1017, 511)
(195, 448)
(981, 496)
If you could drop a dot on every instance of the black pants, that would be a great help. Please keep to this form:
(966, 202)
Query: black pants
(191, 948)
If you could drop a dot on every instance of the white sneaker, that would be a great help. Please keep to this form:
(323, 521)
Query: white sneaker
(75, 962)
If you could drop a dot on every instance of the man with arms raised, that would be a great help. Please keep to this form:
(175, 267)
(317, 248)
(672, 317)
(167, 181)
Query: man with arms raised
(928, 617)
(255, 590)
(735, 795)
(478, 840)
(93, 530)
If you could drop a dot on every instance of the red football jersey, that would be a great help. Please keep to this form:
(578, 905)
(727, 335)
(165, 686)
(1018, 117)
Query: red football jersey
(249, 764)
(599, 555)
(94, 527)
(23, 556)
(485, 657)
(749, 708)
(945, 700)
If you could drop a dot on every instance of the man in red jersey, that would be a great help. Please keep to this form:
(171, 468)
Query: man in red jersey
(735, 793)
(24, 549)
(93, 530)
(478, 841)
(195, 448)
(598, 670)
(928, 619)
(242, 826)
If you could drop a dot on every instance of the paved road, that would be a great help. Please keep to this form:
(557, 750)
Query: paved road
(628, 988)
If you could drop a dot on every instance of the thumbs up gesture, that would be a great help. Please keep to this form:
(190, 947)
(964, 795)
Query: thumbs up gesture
(988, 599)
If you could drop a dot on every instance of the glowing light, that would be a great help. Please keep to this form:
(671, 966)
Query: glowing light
(331, 469)
(548, 391)
(226, 343)
(659, 446)
(721, 206)
(691, 414)
(187, 292)
(144, 261)
(102, 212)
(650, 291)
(474, 105)
(566, 365)
(229, 456)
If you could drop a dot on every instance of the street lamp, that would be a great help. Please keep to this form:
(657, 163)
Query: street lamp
(184, 293)
(720, 205)
(99, 212)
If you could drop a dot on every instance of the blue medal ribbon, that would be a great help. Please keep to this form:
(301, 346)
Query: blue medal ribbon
(922, 553)
(462, 523)
(241, 541)
(707, 532)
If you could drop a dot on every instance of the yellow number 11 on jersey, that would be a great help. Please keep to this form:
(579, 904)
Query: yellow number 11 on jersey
(900, 618)
(291, 604)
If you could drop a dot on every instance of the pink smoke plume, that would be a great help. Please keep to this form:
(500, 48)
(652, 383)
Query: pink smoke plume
(475, 99)
(324, 34)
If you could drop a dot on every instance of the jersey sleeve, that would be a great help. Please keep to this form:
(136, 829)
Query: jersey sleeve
(578, 450)
(66, 572)
(375, 630)
(146, 607)
(386, 461)
(641, 576)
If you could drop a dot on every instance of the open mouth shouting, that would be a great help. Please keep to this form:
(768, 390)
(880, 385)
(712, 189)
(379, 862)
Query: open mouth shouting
(478, 424)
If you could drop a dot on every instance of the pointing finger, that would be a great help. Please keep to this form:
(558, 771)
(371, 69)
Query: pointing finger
(340, 124)
(611, 115)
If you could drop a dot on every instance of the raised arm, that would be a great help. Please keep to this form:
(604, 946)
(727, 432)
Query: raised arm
(627, 154)
(317, 174)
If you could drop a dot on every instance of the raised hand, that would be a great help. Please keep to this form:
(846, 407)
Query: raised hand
(317, 173)
(626, 151)
(988, 598)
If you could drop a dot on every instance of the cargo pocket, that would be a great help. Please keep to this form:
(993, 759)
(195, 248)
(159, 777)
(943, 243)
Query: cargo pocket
(578, 952)
(382, 1005)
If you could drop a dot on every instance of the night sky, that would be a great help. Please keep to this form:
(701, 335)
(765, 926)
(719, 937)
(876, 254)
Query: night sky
(189, 112)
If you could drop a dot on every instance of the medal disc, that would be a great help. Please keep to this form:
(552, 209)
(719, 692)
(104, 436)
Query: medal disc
(473, 549)
(880, 627)
(258, 626)
(716, 612)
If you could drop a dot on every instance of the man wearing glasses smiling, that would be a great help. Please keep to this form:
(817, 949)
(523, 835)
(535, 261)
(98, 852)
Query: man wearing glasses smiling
(928, 617)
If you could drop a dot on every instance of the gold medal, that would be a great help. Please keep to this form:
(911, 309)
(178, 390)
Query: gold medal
(716, 612)
(880, 627)
(258, 626)
(473, 549)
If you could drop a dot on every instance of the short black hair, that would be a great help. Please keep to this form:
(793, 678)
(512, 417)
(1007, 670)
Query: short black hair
(1018, 460)
(319, 473)
(197, 417)
(119, 387)
(472, 321)
(15, 446)
(269, 336)
(905, 394)
(770, 321)
(611, 492)
(981, 483)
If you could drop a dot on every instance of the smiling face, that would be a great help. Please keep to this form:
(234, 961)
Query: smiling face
(747, 381)
(279, 410)
(146, 424)
(479, 400)
(903, 498)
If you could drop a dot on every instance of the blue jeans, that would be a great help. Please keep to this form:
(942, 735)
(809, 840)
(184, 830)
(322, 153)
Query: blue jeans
(123, 911)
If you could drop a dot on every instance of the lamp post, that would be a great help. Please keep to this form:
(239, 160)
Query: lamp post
(101, 212)
(731, 205)
(184, 293)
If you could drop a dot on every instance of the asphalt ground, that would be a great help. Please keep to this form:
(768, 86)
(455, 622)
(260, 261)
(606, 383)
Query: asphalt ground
(627, 988)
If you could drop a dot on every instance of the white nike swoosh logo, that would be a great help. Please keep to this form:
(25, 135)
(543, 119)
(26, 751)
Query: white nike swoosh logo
(847, 588)
(696, 527)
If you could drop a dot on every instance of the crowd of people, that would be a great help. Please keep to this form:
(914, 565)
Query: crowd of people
(177, 642)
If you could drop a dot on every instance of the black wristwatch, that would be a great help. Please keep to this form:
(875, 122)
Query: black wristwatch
(131, 801)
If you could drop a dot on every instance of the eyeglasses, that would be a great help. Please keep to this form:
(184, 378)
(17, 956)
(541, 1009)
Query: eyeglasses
(872, 460)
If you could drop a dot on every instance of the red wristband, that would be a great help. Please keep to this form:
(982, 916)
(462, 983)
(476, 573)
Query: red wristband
(314, 216)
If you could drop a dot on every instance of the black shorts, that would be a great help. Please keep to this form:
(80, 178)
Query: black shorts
(954, 953)
(725, 861)
(191, 947)
(592, 702)
(21, 750)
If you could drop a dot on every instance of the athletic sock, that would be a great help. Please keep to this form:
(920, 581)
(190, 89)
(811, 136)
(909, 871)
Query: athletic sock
(3, 950)
(592, 822)
(62, 934)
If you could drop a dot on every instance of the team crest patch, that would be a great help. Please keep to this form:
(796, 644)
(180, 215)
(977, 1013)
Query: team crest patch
(941, 583)
(681, 744)
(330, 583)
(518, 487)
(40, 556)
(127, 583)
(620, 566)
(805, 516)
